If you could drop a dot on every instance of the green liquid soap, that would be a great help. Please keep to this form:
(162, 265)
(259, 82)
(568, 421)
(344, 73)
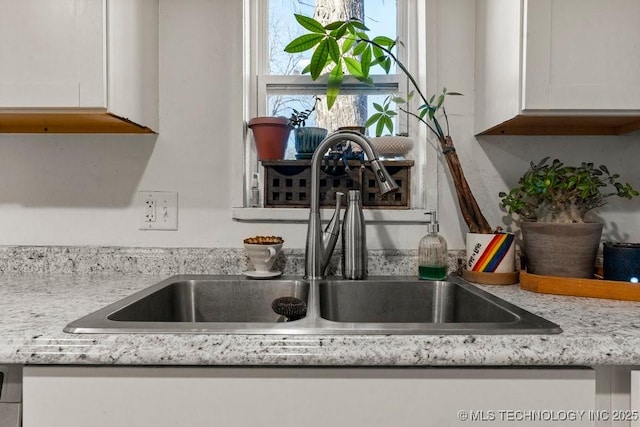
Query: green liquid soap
(432, 273)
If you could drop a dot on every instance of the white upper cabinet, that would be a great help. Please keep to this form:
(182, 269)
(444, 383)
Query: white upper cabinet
(557, 66)
(79, 66)
(52, 53)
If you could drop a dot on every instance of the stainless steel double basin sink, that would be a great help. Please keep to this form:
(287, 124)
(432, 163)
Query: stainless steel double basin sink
(378, 305)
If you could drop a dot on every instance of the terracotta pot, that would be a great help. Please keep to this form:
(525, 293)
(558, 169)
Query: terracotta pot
(565, 250)
(360, 129)
(271, 135)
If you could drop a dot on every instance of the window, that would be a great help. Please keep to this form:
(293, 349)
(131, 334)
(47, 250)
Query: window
(281, 85)
(275, 84)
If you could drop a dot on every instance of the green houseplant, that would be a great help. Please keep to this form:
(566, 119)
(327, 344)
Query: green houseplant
(345, 47)
(307, 138)
(551, 200)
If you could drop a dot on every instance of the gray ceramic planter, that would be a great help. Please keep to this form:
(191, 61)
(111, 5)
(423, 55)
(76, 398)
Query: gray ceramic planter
(307, 140)
(565, 250)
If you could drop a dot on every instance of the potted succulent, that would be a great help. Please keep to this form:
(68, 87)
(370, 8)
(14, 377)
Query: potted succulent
(271, 135)
(345, 47)
(307, 138)
(551, 201)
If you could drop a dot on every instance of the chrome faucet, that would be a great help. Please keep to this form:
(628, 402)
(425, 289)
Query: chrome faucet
(320, 245)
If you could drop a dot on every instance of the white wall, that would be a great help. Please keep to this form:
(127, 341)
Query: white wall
(81, 190)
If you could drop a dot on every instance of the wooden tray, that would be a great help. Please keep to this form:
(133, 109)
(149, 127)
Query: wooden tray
(490, 278)
(591, 288)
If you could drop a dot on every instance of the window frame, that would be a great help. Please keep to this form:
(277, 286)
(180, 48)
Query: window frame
(412, 30)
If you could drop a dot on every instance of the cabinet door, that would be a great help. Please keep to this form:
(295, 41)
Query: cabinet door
(52, 53)
(581, 54)
(230, 397)
(634, 405)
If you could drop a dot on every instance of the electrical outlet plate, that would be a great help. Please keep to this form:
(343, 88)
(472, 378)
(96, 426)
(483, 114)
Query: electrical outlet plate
(159, 210)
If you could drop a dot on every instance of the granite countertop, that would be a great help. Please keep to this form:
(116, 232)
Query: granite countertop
(35, 308)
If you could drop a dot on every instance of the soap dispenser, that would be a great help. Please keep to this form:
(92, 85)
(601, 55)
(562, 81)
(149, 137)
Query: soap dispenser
(432, 252)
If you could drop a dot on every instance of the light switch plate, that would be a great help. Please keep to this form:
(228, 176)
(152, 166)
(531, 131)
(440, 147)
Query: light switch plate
(159, 210)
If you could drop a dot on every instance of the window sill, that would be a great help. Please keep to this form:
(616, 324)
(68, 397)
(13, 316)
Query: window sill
(293, 215)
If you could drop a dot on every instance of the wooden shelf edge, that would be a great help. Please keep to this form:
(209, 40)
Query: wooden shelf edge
(566, 124)
(590, 288)
(68, 121)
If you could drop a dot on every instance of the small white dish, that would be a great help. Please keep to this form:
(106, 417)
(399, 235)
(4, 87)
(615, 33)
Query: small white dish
(262, 274)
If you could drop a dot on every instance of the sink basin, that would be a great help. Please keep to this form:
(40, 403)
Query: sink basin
(413, 306)
(211, 301)
(379, 305)
(197, 303)
(407, 302)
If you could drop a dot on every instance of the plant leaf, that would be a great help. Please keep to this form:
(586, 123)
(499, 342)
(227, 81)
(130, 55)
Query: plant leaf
(353, 66)
(380, 126)
(333, 85)
(358, 24)
(340, 32)
(365, 61)
(310, 24)
(303, 43)
(319, 59)
(386, 65)
(347, 44)
(378, 53)
(360, 48)
(373, 119)
(384, 41)
(368, 80)
(389, 123)
(334, 25)
(334, 50)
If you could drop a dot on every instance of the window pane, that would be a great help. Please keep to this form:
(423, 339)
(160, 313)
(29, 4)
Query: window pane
(283, 105)
(379, 17)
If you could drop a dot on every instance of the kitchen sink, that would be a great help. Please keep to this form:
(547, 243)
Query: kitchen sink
(407, 302)
(194, 300)
(197, 303)
(379, 305)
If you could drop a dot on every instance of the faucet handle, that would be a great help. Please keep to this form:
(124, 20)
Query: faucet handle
(339, 195)
(331, 233)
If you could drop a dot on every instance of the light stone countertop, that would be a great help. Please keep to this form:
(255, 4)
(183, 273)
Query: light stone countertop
(35, 307)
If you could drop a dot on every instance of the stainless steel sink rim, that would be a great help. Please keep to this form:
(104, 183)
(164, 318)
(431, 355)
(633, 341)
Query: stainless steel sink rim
(313, 323)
